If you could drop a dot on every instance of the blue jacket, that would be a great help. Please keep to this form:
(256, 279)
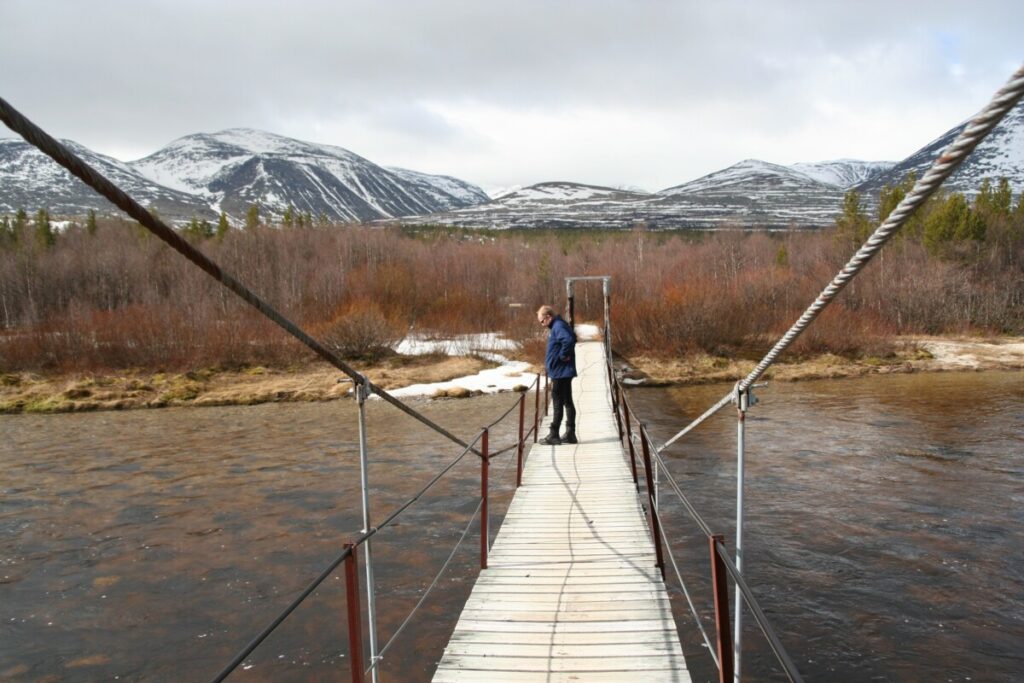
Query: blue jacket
(561, 356)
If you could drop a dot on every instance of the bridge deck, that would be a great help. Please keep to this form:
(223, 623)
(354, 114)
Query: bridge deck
(572, 592)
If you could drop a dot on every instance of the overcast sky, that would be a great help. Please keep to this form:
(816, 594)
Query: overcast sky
(644, 93)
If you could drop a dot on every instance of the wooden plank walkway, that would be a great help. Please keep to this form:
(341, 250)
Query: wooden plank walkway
(572, 592)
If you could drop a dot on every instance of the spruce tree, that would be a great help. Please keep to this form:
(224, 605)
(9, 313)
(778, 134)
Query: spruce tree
(20, 223)
(44, 231)
(252, 217)
(222, 226)
(853, 225)
(90, 222)
(6, 232)
(288, 219)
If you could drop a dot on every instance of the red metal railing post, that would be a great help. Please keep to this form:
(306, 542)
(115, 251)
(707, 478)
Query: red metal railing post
(547, 392)
(649, 475)
(719, 582)
(519, 453)
(536, 411)
(484, 464)
(355, 624)
(616, 402)
(629, 437)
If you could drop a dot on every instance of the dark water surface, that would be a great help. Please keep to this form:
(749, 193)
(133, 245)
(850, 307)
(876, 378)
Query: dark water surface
(884, 531)
(153, 545)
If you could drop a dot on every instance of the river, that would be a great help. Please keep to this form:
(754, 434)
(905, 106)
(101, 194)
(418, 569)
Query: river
(884, 531)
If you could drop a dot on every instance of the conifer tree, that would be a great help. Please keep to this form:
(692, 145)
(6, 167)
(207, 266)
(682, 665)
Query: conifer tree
(853, 225)
(44, 231)
(6, 232)
(90, 222)
(288, 219)
(252, 217)
(19, 226)
(222, 226)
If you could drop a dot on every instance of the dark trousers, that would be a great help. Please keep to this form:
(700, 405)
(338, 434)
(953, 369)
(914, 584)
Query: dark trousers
(561, 398)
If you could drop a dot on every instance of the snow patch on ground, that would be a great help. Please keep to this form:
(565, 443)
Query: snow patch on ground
(506, 377)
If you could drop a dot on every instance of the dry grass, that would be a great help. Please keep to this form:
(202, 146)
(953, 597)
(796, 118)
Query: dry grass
(33, 393)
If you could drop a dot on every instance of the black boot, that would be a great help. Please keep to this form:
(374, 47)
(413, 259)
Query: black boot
(570, 436)
(551, 439)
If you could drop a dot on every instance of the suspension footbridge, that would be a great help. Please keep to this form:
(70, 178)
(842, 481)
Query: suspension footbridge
(570, 590)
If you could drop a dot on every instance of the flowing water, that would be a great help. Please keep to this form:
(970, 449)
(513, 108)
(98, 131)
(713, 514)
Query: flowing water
(884, 526)
(883, 536)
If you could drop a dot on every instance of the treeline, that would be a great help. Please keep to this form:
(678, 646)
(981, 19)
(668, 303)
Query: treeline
(105, 294)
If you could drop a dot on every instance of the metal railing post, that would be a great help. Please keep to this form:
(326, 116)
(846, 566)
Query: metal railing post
(606, 287)
(742, 398)
(363, 393)
(536, 410)
(655, 523)
(547, 392)
(615, 408)
(355, 624)
(484, 466)
(570, 301)
(519, 449)
(632, 450)
(720, 585)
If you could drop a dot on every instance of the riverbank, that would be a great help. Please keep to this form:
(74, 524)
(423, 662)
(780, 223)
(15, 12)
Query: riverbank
(132, 389)
(33, 393)
(912, 354)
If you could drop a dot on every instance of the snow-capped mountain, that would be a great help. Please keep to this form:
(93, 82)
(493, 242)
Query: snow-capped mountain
(236, 168)
(30, 180)
(1000, 155)
(749, 194)
(844, 173)
(203, 174)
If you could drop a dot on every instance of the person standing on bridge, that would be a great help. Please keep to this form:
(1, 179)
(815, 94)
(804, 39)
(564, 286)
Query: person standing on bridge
(560, 361)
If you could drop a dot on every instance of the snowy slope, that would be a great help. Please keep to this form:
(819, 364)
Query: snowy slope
(236, 168)
(844, 173)
(1000, 155)
(29, 179)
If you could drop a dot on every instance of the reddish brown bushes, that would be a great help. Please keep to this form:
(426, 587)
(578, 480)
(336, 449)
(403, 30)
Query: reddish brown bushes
(118, 299)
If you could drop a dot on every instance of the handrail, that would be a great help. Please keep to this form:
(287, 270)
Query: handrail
(759, 617)
(773, 640)
(362, 538)
(359, 540)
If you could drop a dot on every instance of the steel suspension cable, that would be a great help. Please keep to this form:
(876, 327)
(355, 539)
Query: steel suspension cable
(979, 127)
(87, 174)
(947, 162)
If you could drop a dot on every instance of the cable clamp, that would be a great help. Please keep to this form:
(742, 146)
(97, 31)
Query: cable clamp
(362, 388)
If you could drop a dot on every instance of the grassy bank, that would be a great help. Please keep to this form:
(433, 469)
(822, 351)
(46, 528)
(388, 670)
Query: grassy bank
(316, 381)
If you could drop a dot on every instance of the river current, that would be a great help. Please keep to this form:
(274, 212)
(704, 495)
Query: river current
(884, 533)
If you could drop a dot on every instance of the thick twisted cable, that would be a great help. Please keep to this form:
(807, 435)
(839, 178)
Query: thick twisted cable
(982, 124)
(87, 174)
